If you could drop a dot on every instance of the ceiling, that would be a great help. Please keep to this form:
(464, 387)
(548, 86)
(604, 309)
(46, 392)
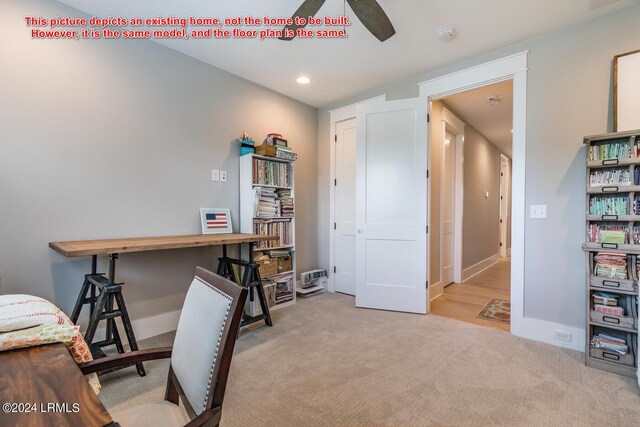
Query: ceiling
(495, 120)
(340, 68)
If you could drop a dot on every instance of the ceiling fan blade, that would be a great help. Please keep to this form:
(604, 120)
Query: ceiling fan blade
(371, 14)
(307, 9)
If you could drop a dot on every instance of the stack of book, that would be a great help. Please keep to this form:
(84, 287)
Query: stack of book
(286, 202)
(611, 150)
(609, 233)
(618, 176)
(609, 205)
(611, 265)
(609, 342)
(266, 205)
(284, 288)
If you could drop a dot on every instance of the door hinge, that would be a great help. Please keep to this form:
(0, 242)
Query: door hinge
(335, 138)
(500, 244)
(501, 174)
(335, 225)
(335, 182)
(501, 221)
(428, 117)
(334, 269)
(427, 173)
(427, 229)
(427, 284)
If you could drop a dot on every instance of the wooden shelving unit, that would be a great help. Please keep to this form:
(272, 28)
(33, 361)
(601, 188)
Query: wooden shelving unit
(626, 290)
(248, 218)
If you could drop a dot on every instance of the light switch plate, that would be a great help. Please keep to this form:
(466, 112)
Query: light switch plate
(215, 175)
(538, 211)
(223, 176)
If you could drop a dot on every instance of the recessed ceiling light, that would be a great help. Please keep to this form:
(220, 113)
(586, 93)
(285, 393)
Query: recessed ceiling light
(303, 80)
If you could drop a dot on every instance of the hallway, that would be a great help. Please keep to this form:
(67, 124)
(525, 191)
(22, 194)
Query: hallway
(463, 301)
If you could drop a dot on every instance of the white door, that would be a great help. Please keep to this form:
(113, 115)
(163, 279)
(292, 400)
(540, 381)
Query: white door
(448, 206)
(345, 207)
(391, 206)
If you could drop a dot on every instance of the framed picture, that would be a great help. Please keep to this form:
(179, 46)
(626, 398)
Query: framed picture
(626, 91)
(215, 221)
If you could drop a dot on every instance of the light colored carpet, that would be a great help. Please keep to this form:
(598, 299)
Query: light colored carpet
(326, 363)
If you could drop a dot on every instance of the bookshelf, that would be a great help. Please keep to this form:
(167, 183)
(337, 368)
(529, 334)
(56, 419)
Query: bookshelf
(612, 247)
(271, 180)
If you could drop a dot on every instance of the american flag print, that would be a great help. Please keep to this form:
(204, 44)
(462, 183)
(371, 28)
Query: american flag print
(216, 221)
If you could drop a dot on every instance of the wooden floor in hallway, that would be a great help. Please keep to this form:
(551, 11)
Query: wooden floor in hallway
(463, 301)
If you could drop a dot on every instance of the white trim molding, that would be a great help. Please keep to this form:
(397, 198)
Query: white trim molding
(145, 327)
(513, 67)
(457, 127)
(479, 267)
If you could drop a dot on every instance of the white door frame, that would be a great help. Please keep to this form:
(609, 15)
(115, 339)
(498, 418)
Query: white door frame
(335, 116)
(514, 68)
(450, 123)
(504, 160)
(454, 125)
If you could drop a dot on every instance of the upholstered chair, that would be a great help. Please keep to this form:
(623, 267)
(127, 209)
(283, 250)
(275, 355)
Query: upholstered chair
(200, 357)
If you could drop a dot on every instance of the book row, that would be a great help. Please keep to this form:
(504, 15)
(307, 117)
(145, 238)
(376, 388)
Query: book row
(275, 174)
(612, 150)
(614, 233)
(281, 228)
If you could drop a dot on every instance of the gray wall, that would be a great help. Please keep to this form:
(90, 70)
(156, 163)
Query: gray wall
(569, 96)
(106, 139)
(481, 171)
(481, 216)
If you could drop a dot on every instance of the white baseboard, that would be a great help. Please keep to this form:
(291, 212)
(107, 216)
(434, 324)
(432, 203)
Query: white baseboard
(436, 290)
(156, 325)
(469, 272)
(542, 330)
(145, 327)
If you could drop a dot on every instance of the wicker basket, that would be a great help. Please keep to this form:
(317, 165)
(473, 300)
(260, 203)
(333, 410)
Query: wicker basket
(268, 267)
(285, 264)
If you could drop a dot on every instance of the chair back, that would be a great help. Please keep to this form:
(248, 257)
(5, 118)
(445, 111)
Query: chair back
(205, 339)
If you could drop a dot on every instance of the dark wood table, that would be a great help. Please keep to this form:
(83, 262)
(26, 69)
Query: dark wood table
(46, 388)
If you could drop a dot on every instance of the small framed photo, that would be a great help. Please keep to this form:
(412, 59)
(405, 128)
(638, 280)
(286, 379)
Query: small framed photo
(215, 221)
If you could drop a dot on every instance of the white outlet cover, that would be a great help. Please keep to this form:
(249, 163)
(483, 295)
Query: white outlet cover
(223, 176)
(538, 211)
(215, 175)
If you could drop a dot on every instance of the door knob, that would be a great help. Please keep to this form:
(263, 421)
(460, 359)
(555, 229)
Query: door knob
(360, 230)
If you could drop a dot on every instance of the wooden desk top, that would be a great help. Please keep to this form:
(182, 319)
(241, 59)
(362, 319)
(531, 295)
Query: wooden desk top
(43, 375)
(143, 244)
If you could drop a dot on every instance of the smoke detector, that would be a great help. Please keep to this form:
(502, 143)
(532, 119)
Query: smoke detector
(494, 100)
(447, 33)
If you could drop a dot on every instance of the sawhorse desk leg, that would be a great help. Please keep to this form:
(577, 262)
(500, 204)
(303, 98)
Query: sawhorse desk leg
(103, 307)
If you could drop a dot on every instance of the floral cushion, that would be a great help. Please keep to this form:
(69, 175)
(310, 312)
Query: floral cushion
(27, 321)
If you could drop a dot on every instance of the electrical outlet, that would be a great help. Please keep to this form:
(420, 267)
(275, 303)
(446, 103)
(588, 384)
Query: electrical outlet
(538, 211)
(562, 335)
(223, 176)
(215, 175)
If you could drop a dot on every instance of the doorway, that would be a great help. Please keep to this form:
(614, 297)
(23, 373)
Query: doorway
(479, 123)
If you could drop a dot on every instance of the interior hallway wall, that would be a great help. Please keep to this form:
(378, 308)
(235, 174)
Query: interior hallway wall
(481, 174)
(569, 96)
(106, 139)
